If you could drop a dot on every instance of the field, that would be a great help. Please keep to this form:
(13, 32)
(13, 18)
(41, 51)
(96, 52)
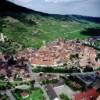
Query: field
(31, 28)
(35, 94)
(46, 29)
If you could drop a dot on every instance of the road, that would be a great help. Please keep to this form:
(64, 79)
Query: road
(34, 77)
(9, 94)
(2, 92)
(83, 73)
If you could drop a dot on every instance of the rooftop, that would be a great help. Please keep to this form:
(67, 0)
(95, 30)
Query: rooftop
(58, 52)
(88, 95)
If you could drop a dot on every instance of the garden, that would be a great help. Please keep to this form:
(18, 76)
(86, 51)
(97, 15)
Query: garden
(72, 84)
(32, 94)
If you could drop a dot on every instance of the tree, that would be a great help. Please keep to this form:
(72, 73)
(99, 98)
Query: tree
(88, 69)
(64, 97)
(97, 57)
(1, 24)
(32, 83)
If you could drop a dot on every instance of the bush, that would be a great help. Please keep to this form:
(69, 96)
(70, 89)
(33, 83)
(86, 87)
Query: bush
(64, 97)
(72, 84)
(49, 81)
(51, 70)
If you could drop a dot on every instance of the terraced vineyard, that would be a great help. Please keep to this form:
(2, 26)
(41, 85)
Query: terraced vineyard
(31, 28)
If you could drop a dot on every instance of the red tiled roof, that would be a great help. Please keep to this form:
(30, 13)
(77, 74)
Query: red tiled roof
(86, 95)
(40, 62)
(60, 51)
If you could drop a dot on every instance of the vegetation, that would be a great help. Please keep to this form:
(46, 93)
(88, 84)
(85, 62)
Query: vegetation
(2, 77)
(98, 57)
(88, 69)
(91, 32)
(95, 44)
(98, 69)
(34, 94)
(8, 85)
(56, 70)
(3, 97)
(34, 35)
(5, 85)
(10, 47)
(30, 28)
(50, 70)
(47, 81)
(72, 83)
(74, 56)
(37, 94)
(64, 97)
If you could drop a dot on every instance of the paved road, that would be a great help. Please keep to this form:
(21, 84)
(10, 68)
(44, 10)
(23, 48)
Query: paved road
(9, 94)
(45, 93)
(2, 92)
(83, 73)
(34, 77)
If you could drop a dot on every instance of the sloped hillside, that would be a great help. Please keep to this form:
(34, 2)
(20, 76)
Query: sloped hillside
(30, 28)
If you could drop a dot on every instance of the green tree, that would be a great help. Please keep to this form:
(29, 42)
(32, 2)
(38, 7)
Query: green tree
(64, 97)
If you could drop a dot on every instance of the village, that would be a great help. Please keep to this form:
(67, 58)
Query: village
(49, 49)
(60, 52)
(58, 70)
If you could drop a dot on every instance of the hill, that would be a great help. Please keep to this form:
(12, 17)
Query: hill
(30, 28)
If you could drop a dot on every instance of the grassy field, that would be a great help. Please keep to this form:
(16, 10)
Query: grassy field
(45, 29)
(35, 94)
(31, 28)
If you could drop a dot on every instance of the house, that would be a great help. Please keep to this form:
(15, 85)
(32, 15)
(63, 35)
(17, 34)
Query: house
(58, 52)
(90, 79)
(90, 94)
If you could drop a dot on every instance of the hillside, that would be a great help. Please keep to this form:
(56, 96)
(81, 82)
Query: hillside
(30, 28)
